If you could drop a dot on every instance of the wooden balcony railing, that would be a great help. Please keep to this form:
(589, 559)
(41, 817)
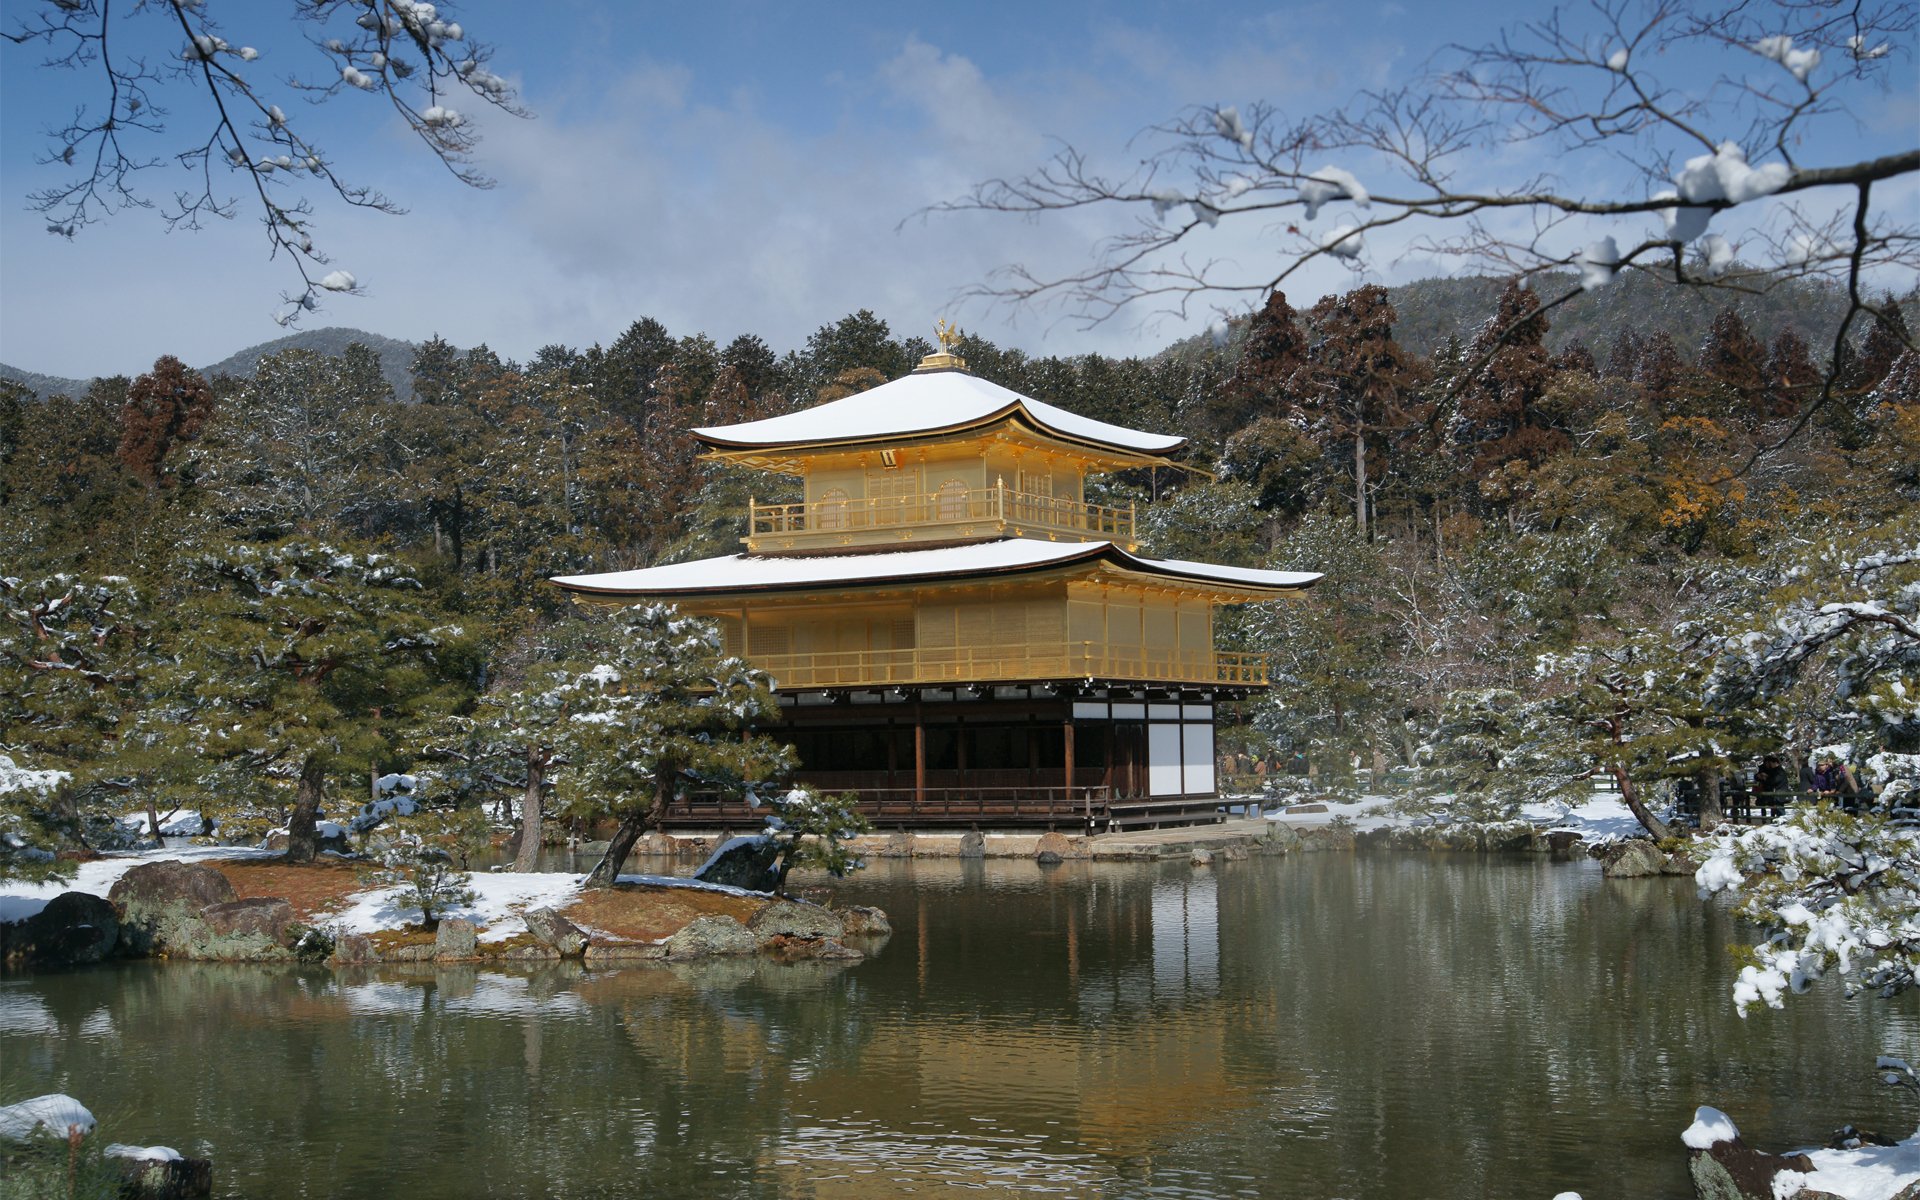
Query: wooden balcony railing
(1008, 664)
(963, 513)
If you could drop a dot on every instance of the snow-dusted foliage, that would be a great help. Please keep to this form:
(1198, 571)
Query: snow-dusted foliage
(814, 831)
(74, 655)
(28, 822)
(1843, 614)
(1837, 894)
(425, 857)
(654, 710)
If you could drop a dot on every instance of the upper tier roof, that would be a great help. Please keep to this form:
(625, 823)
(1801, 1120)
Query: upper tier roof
(737, 573)
(925, 403)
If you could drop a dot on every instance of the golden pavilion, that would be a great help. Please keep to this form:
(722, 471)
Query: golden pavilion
(954, 632)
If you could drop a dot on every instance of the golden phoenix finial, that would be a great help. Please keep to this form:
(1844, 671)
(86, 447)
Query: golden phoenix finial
(948, 333)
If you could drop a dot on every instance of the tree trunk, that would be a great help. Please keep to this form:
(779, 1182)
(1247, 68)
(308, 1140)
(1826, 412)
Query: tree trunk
(1711, 812)
(530, 812)
(153, 817)
(303, 834)
(1628, 793)
(1360, 483)
(631, 827)
(608, 868)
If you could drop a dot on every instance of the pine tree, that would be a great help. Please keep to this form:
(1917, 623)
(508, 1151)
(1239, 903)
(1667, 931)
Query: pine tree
(1790, 374)
(663, 710)
(1357, 385)
(302, 663)
(75, 654)
(436, 372)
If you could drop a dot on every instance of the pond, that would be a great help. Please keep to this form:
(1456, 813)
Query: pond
(1316, 1026)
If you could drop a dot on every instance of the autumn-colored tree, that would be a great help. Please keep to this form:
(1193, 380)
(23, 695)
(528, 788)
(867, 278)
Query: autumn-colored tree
(168, 405)
(1733, 365)
(1790, 373)
(1272, 354)
(1500, 417)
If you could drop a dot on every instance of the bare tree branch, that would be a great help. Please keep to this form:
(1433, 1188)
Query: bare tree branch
(413, 53)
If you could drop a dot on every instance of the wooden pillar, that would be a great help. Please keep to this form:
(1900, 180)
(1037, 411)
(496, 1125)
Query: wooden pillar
(1067, 766)
(919, 756)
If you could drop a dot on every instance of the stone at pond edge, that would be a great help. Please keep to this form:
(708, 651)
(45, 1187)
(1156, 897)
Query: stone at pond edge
(899, 844)
(1055, 846)
(784, 918)
(1563, 844)
(456, 938)
(708, 935)
(1638, 858)
(160, 903)
(1201, 857)
(353, 949)
(973, 844)
(1327, 837)
(608, 954)
(533, 953)
(557, 933)
(265, 916)
(238, 930)
(861, 921)
(173, 1179)
(74, 929)
(1732, 1170)
(742, 862)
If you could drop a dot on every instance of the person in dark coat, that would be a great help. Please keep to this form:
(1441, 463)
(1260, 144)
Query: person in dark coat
(1770, 776)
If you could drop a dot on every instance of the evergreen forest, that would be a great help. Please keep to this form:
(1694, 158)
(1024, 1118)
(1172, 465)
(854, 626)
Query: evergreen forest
(1546, 539)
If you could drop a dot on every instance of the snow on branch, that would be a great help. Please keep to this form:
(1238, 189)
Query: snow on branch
(1598, 125)
(412, 54)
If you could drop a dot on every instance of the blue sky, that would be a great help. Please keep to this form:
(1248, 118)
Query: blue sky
(723, 167)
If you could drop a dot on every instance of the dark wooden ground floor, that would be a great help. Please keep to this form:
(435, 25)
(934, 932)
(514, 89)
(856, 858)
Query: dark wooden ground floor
(1083, 757)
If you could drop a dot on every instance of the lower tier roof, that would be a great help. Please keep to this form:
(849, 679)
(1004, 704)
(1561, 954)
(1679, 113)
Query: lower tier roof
(735, 574)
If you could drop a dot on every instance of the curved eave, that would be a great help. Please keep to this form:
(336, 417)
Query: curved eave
(1015, 412)
(1226, 585)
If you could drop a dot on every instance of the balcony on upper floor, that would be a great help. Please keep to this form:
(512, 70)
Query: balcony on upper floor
(952, 514)
(1016, 663)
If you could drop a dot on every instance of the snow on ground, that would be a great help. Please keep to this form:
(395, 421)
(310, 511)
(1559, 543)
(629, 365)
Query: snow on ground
(500, 897)
(20, 900)
(1868, 1173)
(1605, 818)
(499, 900)
(1602, 819)
(174, 822)
(1367, 813)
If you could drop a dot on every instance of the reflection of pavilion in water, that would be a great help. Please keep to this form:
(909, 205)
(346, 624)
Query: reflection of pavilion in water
(1089, 1077)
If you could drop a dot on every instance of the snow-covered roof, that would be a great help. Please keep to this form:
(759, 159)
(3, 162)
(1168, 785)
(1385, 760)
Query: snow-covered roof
(749, 573)
(927, 402)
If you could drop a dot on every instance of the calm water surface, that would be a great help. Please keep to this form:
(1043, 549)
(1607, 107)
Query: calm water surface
(1320, 1026)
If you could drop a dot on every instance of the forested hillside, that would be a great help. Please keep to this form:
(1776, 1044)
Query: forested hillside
(1502, 522)
(396, 361)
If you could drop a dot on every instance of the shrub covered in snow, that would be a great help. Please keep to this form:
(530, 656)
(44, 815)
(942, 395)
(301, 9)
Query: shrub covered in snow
(814, 831)
(1835, 893)
(426, 860)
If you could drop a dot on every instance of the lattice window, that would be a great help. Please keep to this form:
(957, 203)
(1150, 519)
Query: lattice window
(950, 503)
(833, 508)
(891, 494)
